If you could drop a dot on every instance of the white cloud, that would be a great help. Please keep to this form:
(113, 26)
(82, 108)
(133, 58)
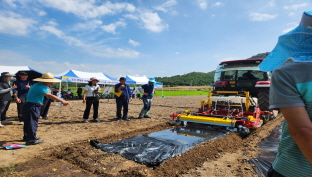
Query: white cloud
(90, 25)
(52, 23)
(292, 26)
(42, 13)
(133, 43)
(217, 4)
(202, 4)
(111, 28)
(291, 14)
(131, 16)
(164, 7)
(152, 22)
(88, 9)
(15, 24)
(296, 6)
(94, 49)
(262, 17)
(177, 53)
(10, 3)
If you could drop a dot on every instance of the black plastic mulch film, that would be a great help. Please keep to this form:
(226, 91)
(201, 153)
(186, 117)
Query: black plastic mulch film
(151, 149)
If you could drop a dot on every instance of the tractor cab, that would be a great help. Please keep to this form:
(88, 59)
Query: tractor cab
(243, 75)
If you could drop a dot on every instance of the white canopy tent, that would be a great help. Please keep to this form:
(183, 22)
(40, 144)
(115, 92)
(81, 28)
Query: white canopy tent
(84, 77)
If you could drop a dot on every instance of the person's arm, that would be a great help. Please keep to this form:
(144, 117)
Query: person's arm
(53, 97)
(300, 128)
(84, 96)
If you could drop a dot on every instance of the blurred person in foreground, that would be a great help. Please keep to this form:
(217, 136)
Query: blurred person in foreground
(147, 90)
(291, 92)
(20, 93)
(5, 97)
(91, 97)
(122, 99)
(32, 107)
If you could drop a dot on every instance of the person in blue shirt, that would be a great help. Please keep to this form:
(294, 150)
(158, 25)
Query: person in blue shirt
(32, 108)
(20, 93)
(123, 99)
(147, 90)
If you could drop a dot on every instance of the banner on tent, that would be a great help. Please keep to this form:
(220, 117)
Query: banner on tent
(85, 80)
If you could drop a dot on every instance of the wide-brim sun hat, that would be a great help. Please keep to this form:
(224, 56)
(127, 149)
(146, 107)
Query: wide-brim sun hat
(151, 80)
(6, 74)
(295, 45)
(47, 77)
(94, 79)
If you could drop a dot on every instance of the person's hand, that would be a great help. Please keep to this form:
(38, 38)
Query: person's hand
(18, 100)
(130, 98)
(122, 86)
(27, 86)
(83, 101)
(145, 94)
(14, 86)
(65, 102)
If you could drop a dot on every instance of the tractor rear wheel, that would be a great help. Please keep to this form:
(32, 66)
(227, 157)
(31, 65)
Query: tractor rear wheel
(263, 99)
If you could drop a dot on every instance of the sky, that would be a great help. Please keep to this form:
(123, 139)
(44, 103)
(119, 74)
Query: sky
(149, 38)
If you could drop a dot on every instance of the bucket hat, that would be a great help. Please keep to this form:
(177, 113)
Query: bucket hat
(296, 45)
(93, 78)
(6, 74)
(151, 80)
(47, 77)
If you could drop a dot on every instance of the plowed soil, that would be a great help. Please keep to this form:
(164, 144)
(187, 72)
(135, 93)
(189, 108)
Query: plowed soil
(67, 151)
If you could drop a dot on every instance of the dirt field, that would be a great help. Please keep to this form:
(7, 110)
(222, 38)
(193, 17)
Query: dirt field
(67, 152)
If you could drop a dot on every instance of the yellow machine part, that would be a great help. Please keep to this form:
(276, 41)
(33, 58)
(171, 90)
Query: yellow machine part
(208, 120)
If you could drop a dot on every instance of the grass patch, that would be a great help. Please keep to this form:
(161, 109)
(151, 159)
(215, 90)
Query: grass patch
(180, 93)
(8, 171)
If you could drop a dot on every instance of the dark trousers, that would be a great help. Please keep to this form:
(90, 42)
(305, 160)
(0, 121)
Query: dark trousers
(120, 102)
(89, 102)
(4, 106)
(31, 114)
(45, 107)
(79, 96)
(20, 107)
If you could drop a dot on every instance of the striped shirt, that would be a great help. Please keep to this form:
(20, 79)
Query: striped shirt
(291, 86)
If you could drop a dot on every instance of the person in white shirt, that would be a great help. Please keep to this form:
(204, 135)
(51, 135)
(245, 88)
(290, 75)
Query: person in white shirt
(91, 97)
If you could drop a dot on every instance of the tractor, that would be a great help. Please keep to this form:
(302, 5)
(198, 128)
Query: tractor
(233, 76)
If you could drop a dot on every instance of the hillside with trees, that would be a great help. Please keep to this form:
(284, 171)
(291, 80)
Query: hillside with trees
(196, 78)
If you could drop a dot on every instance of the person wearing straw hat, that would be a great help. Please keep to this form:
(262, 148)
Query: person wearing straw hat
(147, 90)
(34, 102)
(291, 92)
(5, 97)
(91, 97)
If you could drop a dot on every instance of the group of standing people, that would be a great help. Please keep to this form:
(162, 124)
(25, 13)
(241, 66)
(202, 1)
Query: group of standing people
(123, 95)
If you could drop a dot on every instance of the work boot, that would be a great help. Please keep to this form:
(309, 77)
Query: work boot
(21, 123)
(96, 120)
(141, 116)
(118, 119)
(85, 121)
(1, 126)
(34, 143)
(127, 119)
(147, 116)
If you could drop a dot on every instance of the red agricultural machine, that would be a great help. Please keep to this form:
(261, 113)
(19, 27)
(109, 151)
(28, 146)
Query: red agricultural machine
(237, 111)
